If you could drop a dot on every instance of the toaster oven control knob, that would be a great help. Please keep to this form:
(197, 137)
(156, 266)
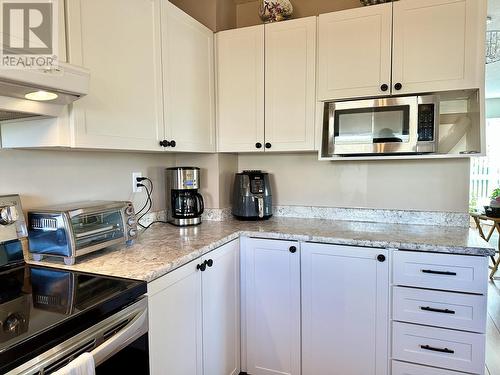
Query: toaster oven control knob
(129, 210)
(131, 221)
(132, 232)
(8, 215)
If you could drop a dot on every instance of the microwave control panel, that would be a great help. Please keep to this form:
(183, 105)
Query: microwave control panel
(426, 122)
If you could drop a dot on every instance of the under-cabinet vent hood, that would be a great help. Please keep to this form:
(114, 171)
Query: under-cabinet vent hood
(26, 94)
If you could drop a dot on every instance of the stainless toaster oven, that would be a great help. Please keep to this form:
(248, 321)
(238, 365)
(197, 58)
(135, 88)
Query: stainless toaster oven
(77, 229)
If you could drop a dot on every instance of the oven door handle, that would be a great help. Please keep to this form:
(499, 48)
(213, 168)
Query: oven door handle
(137, 327)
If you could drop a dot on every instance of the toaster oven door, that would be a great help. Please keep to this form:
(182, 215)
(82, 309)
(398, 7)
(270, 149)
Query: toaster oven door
(91, 230)
(374, 126)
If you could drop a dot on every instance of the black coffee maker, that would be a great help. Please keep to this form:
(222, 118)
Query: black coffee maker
(184, 203)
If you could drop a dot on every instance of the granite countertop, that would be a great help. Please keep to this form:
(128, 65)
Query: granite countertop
(163, 247)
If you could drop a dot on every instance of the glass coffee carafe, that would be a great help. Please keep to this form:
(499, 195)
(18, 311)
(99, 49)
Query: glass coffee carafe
(186, 204)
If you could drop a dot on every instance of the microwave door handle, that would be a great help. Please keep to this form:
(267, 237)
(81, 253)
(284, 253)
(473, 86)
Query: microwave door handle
(387, 140)
(137, 327)
(200, 203)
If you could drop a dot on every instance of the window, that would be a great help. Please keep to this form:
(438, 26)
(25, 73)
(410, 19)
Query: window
(485, 171)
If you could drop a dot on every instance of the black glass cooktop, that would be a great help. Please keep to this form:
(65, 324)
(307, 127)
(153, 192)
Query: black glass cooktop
(41, 307)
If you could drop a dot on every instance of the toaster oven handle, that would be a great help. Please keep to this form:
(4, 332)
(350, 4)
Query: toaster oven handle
(201, 203)
(260, 202)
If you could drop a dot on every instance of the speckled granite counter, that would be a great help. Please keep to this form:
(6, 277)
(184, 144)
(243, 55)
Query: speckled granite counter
(163, 247)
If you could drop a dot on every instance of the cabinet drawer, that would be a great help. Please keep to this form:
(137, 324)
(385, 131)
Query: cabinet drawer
(453, 350)
(466, 312)
(401, 368)
(461, 273)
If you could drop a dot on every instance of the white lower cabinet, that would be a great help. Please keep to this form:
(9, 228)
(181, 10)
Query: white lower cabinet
(220, 286)
(438, 347)
(272, 306)
(194, 317)
(439, 313)
(403, 368)
(345, 302)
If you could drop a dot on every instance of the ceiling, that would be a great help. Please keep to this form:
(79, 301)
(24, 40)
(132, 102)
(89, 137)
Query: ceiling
(493, 70)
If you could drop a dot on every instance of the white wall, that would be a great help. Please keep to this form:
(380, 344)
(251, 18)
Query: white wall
(428, 185)
(49, 177)
(216, 174)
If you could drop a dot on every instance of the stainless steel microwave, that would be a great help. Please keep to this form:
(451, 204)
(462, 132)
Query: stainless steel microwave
(396, 125)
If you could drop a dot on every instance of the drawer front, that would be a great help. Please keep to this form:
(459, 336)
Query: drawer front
(466, 312)
(461, 273)
(438, 347)
(401, 368)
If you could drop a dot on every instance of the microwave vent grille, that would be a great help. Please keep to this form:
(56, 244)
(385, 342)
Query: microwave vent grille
(44, 223)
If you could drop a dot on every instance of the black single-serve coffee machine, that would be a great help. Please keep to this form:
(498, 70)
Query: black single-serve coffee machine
(184, 202)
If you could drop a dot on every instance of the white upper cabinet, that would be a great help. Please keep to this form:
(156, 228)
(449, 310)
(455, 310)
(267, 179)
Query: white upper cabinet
(119, 42)
(345, 310)
(188, 81)
(240, 89)
(290, 85)
(266, 83)
(438, 45)
(354, 53)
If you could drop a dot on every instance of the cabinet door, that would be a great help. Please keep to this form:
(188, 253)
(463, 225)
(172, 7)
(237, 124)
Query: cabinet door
(438, 45)
(355, 52)
(175, 322)
(290, 85)
(345, 296)
(188, 79)
(221, 311)
(240, 89)
(272, 293)
(119, 41)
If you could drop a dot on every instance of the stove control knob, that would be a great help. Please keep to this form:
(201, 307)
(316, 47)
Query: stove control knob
(13, 323)
(131, 221)
(8, 215)
(132, 233)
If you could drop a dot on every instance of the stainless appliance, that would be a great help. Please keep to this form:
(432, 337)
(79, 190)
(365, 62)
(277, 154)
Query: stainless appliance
(76, 229)
(184, 203)
(31, 93)
(252, 196)
(395, 125)
(49, 316)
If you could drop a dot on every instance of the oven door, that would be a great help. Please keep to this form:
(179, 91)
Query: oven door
(374, 126)
(118, 343)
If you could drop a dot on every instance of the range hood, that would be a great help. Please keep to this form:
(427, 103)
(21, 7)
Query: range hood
(26, 94)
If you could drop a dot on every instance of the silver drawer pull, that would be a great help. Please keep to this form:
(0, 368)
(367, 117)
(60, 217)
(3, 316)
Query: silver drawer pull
(447, 273)
(433, 349)
(432, 309)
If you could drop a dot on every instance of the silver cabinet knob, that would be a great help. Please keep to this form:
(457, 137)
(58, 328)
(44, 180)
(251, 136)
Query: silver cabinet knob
(8, 215)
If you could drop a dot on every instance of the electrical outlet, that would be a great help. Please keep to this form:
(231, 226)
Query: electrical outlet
(135, 188)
